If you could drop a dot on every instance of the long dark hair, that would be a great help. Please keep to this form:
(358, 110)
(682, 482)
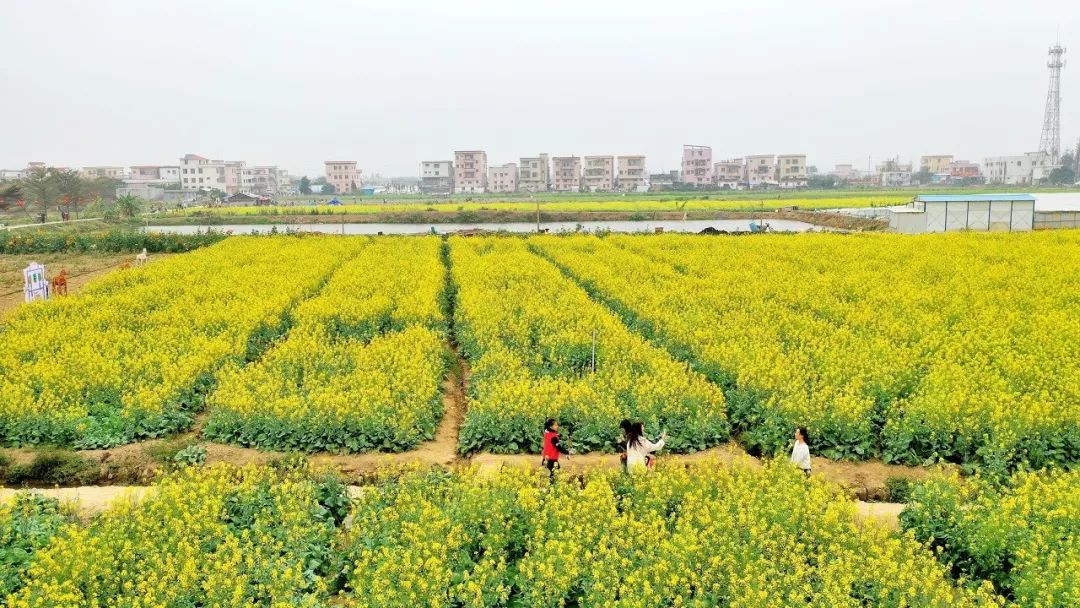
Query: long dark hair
(625, 425)
(548, 424)
(634, 433)
(805, 435)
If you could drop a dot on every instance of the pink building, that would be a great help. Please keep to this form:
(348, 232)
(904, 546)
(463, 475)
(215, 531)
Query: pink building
(599, 174)
(342, 175)
(470, 171)
(566, 173)
(503, 178)
(697, 166)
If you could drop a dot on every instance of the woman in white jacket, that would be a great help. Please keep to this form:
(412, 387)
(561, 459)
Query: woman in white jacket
(639, 448)
(800, 453)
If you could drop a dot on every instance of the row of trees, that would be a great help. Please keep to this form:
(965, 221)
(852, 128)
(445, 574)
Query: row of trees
(1065, 175)
(46, 189)
(306, 184)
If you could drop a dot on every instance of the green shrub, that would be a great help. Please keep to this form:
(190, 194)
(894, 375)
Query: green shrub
(27, 524)
(192, 455)
(111, 241)
(899, 488)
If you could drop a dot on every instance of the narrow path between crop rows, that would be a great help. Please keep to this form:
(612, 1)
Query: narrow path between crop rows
(91, 500)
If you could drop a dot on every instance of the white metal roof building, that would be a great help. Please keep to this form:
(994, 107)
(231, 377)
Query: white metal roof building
(1057, 210)
(953, 212)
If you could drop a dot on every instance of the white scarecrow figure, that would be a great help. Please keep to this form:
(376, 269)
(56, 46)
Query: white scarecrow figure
(35, 285)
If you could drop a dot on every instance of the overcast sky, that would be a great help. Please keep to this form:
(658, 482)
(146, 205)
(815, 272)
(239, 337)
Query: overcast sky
(392, 83)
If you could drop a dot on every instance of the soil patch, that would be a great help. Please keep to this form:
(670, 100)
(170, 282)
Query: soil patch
(883, 513)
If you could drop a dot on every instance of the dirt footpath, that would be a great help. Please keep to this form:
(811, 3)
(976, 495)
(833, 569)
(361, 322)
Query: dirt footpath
(864, 480)
(91, 500)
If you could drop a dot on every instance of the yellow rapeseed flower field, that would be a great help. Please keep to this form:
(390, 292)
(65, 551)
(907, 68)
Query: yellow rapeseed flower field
(701, 536)
(134, 355)
(362, 367)
(1024, 537)
(528, 333)
(960, 346)
(204, 537)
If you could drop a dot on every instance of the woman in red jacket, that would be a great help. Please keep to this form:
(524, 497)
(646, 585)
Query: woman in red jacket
(552, 447)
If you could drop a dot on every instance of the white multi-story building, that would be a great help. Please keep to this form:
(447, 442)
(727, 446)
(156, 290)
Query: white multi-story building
(157, 174)
(342, 175)
(169, 174)
(1017, 170)
(11, 174)
(437, 176)
(260, 180)
(598, 174)
(470, 171)
(761, 171)
(200, 173)
(285, 182)
(534, 174)
(503, 178)
(566, 173)
(730, 174)
(791, 170)
(631, 175)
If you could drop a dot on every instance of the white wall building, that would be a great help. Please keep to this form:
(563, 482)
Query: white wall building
(169, 174)
(199, 173)
(1016, 170)
(566, 173)
(259, 180)
(437, 176)
(503, 178)
(534, 174)
(631, 175)
(598, 174)
(730, 174)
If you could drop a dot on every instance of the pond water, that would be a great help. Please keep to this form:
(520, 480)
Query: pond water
(522, 227)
